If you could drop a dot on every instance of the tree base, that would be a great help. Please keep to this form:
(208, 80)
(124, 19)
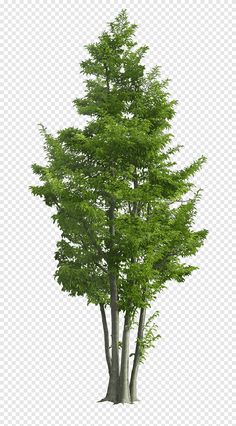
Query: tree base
(107, 399)
(117, 402)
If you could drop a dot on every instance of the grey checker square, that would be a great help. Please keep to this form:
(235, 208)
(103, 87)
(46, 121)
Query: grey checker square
(52, 357)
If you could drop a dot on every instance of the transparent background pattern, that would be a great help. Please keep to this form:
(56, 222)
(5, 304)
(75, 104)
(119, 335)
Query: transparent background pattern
(52, 358)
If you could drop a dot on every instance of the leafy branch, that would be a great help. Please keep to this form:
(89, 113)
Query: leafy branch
(150, 336)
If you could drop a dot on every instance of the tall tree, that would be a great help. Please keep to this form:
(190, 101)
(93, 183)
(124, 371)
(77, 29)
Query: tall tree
(125, 211)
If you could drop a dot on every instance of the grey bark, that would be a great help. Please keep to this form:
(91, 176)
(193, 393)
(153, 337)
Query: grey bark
(106, 337)
(134, 373)
(113, 386)
(124, 395)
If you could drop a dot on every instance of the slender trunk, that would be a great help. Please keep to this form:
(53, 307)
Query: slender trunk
(113, 385)
(124, 395)
(106, 337)
(134, 373)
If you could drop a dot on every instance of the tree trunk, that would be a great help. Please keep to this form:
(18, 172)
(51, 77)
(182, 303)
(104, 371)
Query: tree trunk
(124, 394)
(113, 385)
(134, 374)
(114, 378)
(106, 337)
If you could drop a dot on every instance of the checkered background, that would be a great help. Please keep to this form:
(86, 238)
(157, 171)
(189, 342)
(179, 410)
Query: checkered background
(53, 368)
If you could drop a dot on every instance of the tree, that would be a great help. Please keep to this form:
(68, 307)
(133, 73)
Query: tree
(119, 200)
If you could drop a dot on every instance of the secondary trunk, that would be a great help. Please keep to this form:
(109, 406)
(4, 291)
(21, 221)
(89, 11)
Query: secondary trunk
(124, 394)
(134, 374)
(113, 385)
(106, 337)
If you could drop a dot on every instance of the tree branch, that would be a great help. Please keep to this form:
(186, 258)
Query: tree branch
(101, 267)
(94, 261)
(93, 241)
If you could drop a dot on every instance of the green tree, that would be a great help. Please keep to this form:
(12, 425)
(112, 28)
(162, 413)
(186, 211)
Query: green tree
(119, 200)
